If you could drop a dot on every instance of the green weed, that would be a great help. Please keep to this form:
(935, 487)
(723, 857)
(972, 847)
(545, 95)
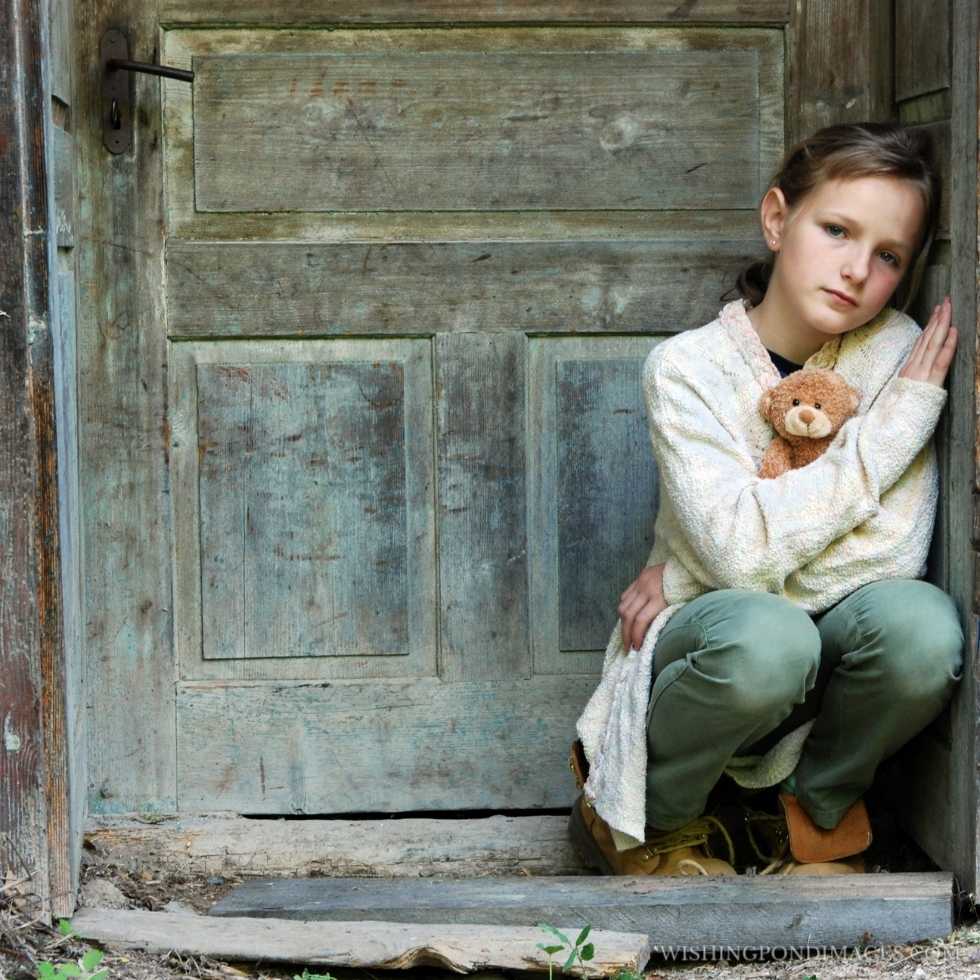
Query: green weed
(82, 969)
(578, 951)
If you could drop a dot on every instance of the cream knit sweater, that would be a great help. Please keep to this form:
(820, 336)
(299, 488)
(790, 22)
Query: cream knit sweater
(862, 512)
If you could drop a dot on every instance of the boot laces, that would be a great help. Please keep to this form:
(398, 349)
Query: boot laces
(694, 833)
(778, 860)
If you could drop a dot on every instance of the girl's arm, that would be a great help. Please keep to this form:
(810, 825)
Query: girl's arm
(747, 532)
(893, 544)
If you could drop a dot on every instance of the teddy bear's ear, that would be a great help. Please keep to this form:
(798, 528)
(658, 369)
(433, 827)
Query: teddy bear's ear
(765, 404)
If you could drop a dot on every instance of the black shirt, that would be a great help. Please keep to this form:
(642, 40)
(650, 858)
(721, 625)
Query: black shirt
(782, 365)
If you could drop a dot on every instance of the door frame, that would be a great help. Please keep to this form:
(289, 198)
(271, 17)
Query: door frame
(35, 833)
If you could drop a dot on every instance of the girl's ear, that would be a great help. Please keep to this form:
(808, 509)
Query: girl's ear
(773, 211)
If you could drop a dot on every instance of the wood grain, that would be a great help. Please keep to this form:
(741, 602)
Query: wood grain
(317, 12)
(378, 746)
(313, 289)
(35, 818)
(371, 943)
(842, 64)
(64, 188)
(674, 910)
(922, 47)
(124, 437)
(303, 509)
(589, 430)
(481, 432)
(303, 523)
(459, 131)
(939, 790)
(181, 48)
(409, 847)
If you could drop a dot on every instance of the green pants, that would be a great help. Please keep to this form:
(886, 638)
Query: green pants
(734, 670)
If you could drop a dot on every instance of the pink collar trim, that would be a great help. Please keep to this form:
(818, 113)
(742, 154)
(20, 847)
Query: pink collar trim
(734, 317)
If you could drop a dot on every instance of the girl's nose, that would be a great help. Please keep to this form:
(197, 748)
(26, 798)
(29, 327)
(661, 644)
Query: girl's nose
(856, 267)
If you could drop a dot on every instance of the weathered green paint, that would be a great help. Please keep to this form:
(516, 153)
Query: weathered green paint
(303, 508)
(322, 12)
(316, 289)
(591, 492)
(385, 745)
(393, 131)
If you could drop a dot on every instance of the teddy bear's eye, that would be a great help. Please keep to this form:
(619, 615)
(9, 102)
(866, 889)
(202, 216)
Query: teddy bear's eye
(796, 401)
(816, 404)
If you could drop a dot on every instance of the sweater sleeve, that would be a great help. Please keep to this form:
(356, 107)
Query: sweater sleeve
(748, 532)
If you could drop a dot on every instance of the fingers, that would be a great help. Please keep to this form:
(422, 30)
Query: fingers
(933, 351)
(636, 623)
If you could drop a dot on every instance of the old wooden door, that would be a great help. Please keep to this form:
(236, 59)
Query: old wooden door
(365, 464)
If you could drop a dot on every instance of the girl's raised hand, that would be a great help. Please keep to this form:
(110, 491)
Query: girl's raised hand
(641, 603)
(933, 352)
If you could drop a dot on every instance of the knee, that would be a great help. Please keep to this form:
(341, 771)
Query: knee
(922, 643)
(772, 651)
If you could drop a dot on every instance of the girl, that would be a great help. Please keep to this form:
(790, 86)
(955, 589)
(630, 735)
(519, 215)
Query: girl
(803, 647)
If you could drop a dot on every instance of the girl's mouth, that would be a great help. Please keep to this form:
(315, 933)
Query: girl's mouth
(841, 297)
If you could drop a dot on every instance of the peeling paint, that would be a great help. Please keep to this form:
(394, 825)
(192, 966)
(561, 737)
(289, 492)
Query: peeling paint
(11, 740)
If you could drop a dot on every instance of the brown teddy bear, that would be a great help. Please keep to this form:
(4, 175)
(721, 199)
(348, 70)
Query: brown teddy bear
(806, 409)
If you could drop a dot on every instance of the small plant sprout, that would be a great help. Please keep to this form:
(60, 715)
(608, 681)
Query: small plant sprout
(83, 969)
(306, 975)
(577, 950)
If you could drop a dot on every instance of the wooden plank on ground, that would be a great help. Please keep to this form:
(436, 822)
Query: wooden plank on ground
(676, 911)
(383, 945)
(407, 847)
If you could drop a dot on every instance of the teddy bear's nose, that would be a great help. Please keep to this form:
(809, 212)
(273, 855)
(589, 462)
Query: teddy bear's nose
(806, 415)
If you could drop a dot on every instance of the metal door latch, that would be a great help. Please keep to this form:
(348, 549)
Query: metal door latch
(117, 89)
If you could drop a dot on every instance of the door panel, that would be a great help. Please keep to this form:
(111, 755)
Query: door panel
(303, 508)
(592, 490)
(474, 130)
(400, 745)
(630, 285)
(644, 136)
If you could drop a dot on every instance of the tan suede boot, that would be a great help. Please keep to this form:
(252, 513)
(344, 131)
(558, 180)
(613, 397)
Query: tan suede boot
(664, 852)
(794, 844)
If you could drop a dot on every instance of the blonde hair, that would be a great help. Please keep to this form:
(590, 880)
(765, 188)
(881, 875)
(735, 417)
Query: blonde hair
(848, 151)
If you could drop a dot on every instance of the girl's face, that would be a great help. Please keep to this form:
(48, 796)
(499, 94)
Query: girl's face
(856, 238)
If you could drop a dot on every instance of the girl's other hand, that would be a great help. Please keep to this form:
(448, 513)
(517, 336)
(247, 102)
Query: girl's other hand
(640, 605)
(933, 352)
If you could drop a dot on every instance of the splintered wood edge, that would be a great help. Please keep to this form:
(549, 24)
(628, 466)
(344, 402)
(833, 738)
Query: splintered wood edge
(384, 945)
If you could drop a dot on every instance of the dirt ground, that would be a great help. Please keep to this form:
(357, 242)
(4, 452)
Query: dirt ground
(25, 942)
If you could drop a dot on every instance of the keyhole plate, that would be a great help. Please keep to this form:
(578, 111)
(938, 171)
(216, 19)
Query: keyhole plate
(116, 86)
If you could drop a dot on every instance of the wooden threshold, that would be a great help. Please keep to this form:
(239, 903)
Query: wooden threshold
(410, 847)
(512, 871)
(743, 912)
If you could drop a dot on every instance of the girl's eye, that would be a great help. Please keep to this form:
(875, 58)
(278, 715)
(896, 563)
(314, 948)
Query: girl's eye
(891, 259)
